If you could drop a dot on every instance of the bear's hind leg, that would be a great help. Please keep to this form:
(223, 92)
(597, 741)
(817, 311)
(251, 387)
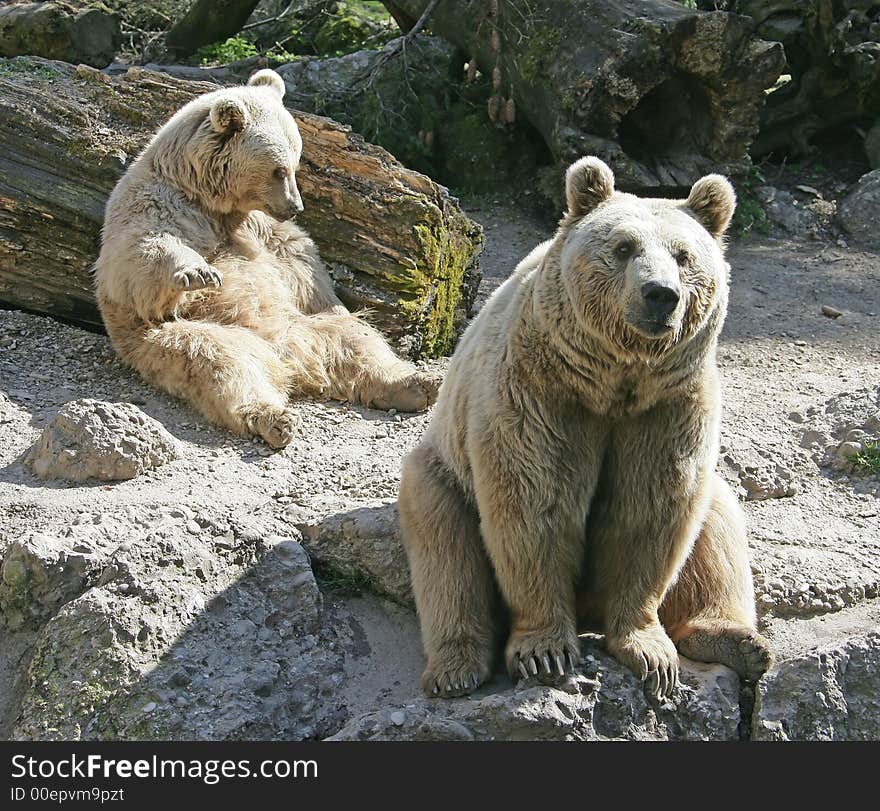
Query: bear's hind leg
(358, 364)
(452, 581)
(228, 373)
(710, 610)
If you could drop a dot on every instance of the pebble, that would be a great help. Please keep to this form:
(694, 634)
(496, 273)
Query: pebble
(847, 450)
(398, 718)
(831, 312)
(192, 527)
(149, 707)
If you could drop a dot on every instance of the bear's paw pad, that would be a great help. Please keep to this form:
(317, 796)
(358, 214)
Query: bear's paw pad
(416, 392)
(741, 649)
(277, 426)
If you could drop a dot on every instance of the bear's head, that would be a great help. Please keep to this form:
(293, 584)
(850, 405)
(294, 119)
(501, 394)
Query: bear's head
(644, 274)
(235, 150)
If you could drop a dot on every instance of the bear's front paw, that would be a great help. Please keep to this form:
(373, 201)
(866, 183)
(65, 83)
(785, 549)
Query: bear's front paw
(456, 670)
(650, 654)
(197, 278)
(549, 654)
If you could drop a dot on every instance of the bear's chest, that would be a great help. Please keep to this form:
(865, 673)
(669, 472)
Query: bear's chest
(629, 395)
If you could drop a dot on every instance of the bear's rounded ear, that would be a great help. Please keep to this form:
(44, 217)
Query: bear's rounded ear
(269, 78)
(712, 201)
(228, 115)
(588, 182)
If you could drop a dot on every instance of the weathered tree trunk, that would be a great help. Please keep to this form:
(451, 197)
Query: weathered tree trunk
(662, 93)
(394, 240)
(833, 54)
(57, 31)
(208, 21)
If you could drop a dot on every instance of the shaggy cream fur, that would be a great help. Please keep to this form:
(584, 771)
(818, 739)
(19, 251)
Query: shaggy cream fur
(212, 295)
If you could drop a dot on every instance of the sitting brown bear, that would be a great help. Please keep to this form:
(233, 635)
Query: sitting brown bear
(571, 456)
(211, 295)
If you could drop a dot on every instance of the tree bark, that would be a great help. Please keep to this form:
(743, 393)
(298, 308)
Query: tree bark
(57, 31)
(208, 21)
(832, 52)
(663, 93)
(394, 240)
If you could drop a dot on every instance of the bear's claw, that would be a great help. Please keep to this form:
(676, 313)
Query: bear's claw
(197, 278)
(456, 669)
(650, 654)
(542, 656)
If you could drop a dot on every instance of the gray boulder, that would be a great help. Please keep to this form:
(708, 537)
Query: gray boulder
(828, 694)
(57, 31)
(605, 703)
(359, 541)
(90, 439)
(859, 212)
(185, 637)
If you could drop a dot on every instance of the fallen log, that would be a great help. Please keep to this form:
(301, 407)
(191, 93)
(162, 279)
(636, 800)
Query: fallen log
(60, 31)
(394, 240)
(661, 92)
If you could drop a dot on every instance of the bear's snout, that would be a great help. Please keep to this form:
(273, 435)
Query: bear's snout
(289, 210)
(660, 299)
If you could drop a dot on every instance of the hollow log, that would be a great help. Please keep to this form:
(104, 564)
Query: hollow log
(59, 31)
(661, 92)
(394, 240)
(832, 50)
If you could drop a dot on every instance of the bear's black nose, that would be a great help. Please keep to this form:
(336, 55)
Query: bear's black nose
(660, 299)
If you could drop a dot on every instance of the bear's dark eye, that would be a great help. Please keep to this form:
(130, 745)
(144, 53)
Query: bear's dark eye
(281, 172)
(683, 257)
(624, 250)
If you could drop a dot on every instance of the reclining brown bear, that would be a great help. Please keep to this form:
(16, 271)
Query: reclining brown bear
(210, 293)
(571, 456)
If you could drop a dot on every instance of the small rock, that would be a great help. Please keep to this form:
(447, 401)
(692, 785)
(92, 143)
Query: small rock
(847, 450)
(831, 312)
(91, 439)
(398, 718)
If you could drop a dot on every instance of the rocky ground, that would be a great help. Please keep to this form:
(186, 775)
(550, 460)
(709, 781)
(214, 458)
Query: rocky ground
(233, 592)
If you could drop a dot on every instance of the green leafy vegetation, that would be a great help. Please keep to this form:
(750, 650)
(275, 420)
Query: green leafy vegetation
(749, 214)
(543, 45)
(332, 579)
(222, 53)
(869, 458)
(25, 65)
(354, 26)
(335, 29)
